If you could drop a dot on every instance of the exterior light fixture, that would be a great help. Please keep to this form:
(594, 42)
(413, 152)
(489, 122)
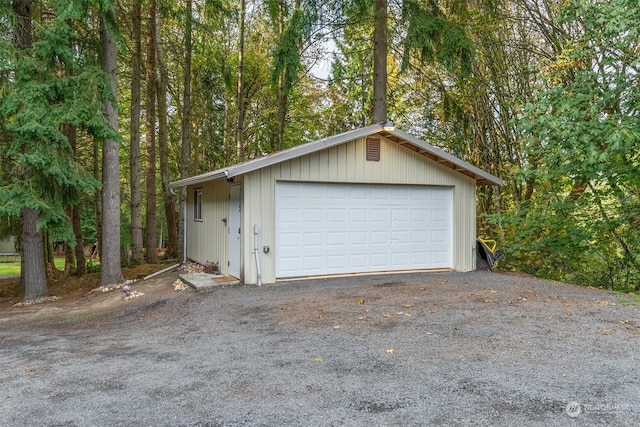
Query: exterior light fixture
(388, 126)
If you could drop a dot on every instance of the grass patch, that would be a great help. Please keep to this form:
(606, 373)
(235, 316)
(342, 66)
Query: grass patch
(11, 266)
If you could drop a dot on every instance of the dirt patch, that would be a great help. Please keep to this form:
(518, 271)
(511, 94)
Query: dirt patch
(79, 300)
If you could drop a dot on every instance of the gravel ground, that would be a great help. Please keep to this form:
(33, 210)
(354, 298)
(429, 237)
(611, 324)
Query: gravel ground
(439, 349)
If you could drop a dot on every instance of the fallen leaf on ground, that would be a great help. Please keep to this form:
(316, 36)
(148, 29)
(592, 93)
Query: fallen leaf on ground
(387, 314)
(408, 305)
(390, 350)
(360, 301)
(318, 360)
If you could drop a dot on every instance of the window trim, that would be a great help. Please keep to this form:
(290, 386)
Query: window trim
(197, 204)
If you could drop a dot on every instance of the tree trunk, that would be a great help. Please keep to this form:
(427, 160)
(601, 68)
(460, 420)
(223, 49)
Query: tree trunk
(282, 92)
(163, 146)
(75, 254)
(69, 256)
(81, 261)
(240, 89)
(134, 135)
(35, 276)
(186, 119)
(229, 134)
(98, 199)
(151, 240)
(23, 33)
(110, 249)
(380, 62)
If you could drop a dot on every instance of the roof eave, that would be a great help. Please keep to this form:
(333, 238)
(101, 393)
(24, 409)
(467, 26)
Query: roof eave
(441, 156)
(199, 179)
(400, 137)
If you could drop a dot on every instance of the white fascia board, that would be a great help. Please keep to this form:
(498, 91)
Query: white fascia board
(199, 179)
(280, 156)
(447, 157)
(301, 150)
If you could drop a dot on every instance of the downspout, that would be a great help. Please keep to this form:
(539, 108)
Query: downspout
(255, 251)
(175, 266)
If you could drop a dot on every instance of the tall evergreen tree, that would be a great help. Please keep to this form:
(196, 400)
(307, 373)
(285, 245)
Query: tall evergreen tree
(110, 250)
(51, 88)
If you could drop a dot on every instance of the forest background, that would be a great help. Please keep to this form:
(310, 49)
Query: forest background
(104, 102)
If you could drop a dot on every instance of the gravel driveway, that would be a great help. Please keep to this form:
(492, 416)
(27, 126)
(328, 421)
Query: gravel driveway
(439, 349)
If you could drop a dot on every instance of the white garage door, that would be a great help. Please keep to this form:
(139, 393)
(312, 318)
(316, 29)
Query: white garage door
(324, 228)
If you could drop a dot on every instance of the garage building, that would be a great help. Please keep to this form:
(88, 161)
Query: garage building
(370, 200)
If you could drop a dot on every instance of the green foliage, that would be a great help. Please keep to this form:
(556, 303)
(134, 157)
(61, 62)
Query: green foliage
(49, 89)
(582, 139)
(437, 38)
(287, 59)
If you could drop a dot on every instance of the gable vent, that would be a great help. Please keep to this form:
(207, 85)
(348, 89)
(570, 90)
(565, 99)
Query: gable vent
(373, 149)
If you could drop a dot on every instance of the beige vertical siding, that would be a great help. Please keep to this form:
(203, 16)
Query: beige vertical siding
(347, 163)
(208, 240)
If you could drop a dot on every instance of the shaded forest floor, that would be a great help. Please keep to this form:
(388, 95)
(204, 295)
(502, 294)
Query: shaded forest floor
(72, 289)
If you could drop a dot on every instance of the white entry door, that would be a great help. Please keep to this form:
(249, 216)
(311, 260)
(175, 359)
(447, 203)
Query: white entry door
(234, 230)
(328, 228)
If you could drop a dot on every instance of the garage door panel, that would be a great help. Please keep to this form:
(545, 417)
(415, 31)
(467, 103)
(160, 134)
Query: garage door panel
(439, 236)
(379, 238)
(358, 238)
(313, 240)
(380, 260)
(324, 228)
(419, 238)
(289, 240)
(336, 238)
(337, 215)
(357, 261)
(379, 215)
(313, 215)
(336, 262)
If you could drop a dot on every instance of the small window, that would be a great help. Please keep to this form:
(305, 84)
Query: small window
(373, 149)
(197, 204)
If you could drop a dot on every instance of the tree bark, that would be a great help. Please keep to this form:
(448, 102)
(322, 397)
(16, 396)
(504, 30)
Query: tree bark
(240, 88)
(77, 252)
(33, 273)
(81, 260)
(380, 62)
(163, 146)
(110, 250)
(186, 119)
(134, 135)
(282, 94)
(69, 255)
(35, 276)
(151, 240)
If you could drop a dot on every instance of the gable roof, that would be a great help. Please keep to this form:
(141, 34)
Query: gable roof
(396, 135)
